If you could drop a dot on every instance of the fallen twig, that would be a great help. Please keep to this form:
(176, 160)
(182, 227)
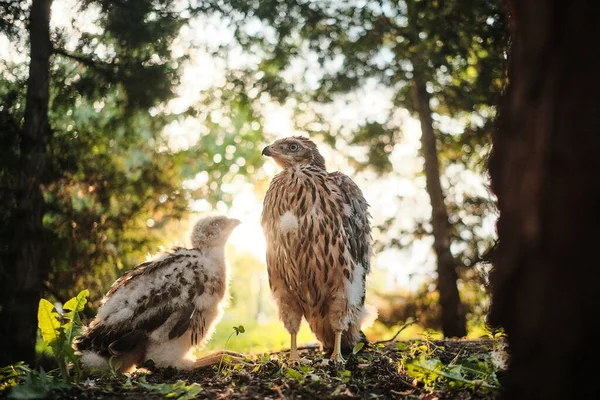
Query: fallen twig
(406, 325)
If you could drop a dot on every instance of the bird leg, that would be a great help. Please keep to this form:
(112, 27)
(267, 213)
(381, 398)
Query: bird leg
(294, 358)
(336, 356)
(215, 358)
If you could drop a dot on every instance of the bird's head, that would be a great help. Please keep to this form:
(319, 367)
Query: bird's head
(292, 151)
(212, 231)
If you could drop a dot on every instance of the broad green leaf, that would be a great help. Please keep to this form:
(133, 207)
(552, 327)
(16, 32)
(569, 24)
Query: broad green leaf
(401, 346)
(77, 303)
(358, 347)
(293, 374)
(48, 321)
(178, 390)
(74, 306)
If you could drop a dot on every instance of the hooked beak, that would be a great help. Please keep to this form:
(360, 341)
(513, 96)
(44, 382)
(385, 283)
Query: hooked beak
(267, 151)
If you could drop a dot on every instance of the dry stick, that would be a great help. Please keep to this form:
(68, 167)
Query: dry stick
(406, 325)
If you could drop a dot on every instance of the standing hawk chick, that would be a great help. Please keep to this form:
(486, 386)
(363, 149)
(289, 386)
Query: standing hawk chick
(163, 307)
(318, 238)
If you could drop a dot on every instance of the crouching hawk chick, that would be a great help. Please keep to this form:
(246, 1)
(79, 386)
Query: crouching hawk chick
(162, 308)
(318, 236)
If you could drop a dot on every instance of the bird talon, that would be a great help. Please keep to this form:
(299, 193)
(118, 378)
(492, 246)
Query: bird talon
(337, 358)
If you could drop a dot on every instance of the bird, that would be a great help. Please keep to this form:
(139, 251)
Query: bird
(164, 307)
(318, 239)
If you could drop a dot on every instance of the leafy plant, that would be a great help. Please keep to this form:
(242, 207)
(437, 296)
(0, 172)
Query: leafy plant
(113, 366)
(178, 390)
(35, 385)
(11, 375)
(236, 330)
(303, 373)
(59, 327)
(344, 375)
(421, 363)
(433, 373)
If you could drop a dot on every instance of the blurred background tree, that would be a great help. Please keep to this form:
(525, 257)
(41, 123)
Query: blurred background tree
(443, 61)
(110, 183)
(158, 110)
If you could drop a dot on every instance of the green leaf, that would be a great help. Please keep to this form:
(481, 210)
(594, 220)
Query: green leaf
(29, 392)
(37, 385)
(358, 347)
(74, 305)
(293, 374)
(178, 390)
(401, 346)
(48, 321)
(345, 375)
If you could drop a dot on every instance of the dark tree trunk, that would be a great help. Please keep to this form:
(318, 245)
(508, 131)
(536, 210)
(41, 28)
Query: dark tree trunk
(545, 173)
(22, 293)
(453, 317)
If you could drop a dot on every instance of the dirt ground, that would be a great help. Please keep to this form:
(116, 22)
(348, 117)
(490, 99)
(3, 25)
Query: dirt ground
(373, 373)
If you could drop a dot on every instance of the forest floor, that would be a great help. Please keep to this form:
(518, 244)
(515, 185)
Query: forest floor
(421, 369)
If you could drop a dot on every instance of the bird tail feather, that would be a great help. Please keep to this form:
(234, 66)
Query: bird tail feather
(92, 360)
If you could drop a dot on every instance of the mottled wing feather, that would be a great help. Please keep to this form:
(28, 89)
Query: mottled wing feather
(268, 219)
(126, 279)
(183, 322)
(142, 269)
(356, 223)
(127, 342)
(142, 301)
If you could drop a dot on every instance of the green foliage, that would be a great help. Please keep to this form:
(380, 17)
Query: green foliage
(471, 373)
(456, 48)
(59, 328)
(420, 361)
(236, 330)
(293, 374)
(11, 375)
(358, 347)
(344, 375)
(114, 183)
(32, 384)
(303, 374)
(178, 390)
(113, 366)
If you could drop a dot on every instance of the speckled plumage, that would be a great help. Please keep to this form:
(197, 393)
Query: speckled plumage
(318, 238)
(162, 308)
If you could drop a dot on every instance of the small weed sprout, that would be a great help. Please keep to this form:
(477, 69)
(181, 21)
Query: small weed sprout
(236, 330)
(114, 365)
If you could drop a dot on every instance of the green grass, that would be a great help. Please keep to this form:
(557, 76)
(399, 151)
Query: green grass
(272, 336)
(258, 338)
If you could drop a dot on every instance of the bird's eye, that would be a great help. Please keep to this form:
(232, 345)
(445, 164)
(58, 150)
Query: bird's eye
(215, 224)
(294, 147)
